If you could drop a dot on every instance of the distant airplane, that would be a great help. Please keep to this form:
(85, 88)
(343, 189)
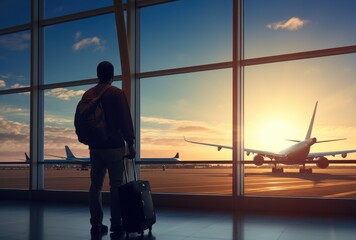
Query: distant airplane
(70, 158)
(297, 154)
(86, 161)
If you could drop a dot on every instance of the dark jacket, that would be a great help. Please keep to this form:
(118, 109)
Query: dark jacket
(117, 114)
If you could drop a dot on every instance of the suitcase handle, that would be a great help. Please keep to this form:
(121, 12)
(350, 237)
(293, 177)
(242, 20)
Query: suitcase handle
(125, 170)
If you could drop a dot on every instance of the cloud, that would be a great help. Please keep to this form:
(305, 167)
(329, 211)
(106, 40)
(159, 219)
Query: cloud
(13, 132)
(14, 138)
(95, 42)
(193, 128)
(163, 141)
(55, 119)
(17, 85)
(64, 94)
(14, 111)
(59, 136)
(2, 83)
(178, 126)
(16, 41)
(292, 24)
(10, 75)
(158, 120)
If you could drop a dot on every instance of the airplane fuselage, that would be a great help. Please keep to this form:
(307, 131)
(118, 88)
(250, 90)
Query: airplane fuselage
(297, 153)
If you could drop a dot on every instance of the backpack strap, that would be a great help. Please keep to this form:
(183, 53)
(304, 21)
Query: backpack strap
(103, 90)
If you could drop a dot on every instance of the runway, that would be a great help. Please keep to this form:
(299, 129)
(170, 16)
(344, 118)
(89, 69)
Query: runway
(333, 182)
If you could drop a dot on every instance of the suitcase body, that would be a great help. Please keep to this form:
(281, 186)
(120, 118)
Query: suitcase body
(137, 208)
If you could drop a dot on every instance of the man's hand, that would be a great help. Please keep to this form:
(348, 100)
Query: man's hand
(132, 152)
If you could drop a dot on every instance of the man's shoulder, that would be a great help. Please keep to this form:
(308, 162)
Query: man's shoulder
(89, 93)
(113, 90)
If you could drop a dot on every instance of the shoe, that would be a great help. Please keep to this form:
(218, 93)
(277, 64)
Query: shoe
(99, 229)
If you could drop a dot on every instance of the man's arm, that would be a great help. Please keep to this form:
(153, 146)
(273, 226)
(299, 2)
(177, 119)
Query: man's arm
(126, 124)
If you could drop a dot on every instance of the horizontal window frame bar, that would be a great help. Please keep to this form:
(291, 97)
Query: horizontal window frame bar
(77, 16)
(182, 70)
(75, 83)
(19, 28)
(15, 90)
(148, 3)
(300, 55)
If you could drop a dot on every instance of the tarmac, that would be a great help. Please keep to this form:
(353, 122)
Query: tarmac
(333, 182)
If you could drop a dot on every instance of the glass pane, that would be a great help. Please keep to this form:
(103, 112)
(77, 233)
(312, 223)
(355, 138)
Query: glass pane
(280, 100)
(197, 106)
(72, 50)
(15, 135)
(15, 60)
(59, 107)
(185, 33)
(57, 8)
(14, 12)
(279, 27)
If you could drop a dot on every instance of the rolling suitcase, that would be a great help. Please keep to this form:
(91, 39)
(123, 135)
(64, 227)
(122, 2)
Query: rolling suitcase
(137, 208)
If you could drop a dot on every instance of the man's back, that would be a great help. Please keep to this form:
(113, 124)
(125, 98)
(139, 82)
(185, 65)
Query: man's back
(117, 114)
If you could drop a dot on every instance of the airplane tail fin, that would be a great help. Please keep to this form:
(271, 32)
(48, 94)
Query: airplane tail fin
(27, 157)
(177, 155)
(310, 129)
(69, 153)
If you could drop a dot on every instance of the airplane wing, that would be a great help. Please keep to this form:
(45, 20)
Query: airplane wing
(268, 154)
(333, 153)
(209, 144)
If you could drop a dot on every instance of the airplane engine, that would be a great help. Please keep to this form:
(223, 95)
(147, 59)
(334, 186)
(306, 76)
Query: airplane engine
(322, 162)
(258, 160)
(344, 155)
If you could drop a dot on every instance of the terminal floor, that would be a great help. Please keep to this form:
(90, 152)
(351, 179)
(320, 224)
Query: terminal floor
(49, 221)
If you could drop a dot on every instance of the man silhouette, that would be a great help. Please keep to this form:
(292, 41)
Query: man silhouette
(108, 155)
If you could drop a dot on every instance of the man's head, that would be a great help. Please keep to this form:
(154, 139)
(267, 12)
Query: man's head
(105, 71)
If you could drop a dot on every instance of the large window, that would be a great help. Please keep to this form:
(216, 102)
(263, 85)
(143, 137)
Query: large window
(294, 54)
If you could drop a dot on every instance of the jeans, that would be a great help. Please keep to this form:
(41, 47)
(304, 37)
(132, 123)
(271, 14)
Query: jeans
(101, 161)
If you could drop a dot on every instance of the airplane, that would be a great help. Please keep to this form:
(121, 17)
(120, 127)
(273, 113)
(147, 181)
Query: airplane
(86, 161)
(162, 161)
(297, 154)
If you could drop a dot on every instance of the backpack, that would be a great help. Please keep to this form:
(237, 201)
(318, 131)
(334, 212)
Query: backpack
(89, 121)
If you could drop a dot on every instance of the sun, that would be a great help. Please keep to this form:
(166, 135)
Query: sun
(271, 135)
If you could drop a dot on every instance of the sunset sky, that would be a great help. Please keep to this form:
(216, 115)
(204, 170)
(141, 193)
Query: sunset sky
(279, 97)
